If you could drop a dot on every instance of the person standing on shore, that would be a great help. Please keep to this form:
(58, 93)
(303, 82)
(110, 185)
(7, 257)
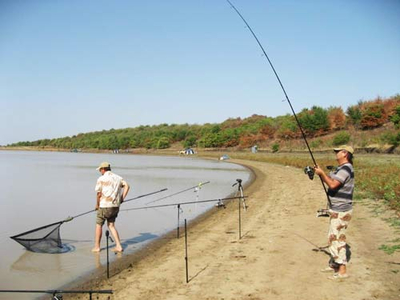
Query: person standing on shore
(111, 191)
(340, 191)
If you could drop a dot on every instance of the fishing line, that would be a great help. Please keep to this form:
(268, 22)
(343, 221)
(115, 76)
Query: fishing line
(184, 203)
(317, 248)
(284, 91)
(196, 188)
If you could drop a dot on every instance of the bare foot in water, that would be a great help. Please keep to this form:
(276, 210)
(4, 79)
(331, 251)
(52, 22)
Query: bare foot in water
(96, 250)
(117, 250)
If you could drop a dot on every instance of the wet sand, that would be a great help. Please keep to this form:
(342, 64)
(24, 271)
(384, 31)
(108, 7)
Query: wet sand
(277, 256)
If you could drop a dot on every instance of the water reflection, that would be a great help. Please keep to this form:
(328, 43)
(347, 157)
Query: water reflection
(37, 263)
(138, 239)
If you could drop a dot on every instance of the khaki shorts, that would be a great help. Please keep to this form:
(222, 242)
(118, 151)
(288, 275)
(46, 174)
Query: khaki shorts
(107, 213)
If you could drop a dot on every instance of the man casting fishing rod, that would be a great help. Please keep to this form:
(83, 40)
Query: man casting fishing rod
(340, 191)
(111, 191)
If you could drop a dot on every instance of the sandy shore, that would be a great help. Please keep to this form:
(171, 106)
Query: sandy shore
(276, 257)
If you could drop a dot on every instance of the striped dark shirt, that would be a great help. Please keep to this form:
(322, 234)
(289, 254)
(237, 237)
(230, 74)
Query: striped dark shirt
(342, 198)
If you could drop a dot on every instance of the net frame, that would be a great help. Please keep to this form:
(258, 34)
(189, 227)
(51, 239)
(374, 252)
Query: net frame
(44, 239)
(50, 241)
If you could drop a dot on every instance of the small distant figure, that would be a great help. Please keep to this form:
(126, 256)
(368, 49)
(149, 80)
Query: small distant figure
(254, 149)
(187, 151)
(111, 191)
(224, 157)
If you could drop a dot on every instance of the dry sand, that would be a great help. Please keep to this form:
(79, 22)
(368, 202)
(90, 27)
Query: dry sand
(275, 258)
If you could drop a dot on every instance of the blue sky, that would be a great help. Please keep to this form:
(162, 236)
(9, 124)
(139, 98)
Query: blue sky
(68, 67)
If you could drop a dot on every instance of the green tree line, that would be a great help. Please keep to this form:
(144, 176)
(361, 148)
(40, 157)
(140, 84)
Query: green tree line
(237, 132)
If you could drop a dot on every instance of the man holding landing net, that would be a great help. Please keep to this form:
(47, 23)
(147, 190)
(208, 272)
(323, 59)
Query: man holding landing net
(111, 191)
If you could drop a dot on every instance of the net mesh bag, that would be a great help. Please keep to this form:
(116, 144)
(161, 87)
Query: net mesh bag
(45, 239)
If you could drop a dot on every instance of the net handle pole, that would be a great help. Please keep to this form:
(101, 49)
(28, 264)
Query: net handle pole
(90, 211)
(58, 291)
(145, 195)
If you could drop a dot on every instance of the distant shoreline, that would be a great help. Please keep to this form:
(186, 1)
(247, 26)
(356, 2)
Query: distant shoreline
(372, 149)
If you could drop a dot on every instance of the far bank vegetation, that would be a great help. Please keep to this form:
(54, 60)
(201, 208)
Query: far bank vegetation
(368, 124)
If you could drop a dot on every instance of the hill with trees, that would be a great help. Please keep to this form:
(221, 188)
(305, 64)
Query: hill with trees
(324, 127)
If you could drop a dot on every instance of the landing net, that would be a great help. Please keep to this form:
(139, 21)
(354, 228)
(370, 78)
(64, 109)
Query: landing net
(45, 239)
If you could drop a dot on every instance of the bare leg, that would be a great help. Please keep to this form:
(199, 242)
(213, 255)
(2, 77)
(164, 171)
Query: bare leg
(342, 269)
(114, 232)
(97, 238)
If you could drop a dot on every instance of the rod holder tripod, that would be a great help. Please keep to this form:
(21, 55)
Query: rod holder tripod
(186, 254)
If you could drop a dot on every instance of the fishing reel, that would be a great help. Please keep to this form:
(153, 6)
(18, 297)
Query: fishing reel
(238, 181)
(331, 168)
(310, 172)
(108, 236)
(323, 212)
(220, 204)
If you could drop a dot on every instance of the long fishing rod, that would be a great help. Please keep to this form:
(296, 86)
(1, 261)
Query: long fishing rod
(180, 192)
(131, 199)
(56, 292)
(219, 200)
(284, 91)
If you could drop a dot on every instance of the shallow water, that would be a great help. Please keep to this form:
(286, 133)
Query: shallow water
(40, 188)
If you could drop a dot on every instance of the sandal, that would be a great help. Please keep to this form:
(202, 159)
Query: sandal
(328, 270)
(337, 276)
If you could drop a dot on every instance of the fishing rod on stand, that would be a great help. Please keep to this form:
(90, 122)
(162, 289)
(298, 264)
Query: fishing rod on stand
(220, 203)
(195, 188)
(321, 212)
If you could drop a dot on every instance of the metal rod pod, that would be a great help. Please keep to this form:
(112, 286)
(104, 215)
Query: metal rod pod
(240, 220)
(186, 254)
(108, 261)
(177, 228)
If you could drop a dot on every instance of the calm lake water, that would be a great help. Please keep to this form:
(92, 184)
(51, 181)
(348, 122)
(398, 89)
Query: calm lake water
(40, 188)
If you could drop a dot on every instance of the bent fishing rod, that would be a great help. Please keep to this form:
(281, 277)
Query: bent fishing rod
(180, 192)
(284, 91)
(219, 200)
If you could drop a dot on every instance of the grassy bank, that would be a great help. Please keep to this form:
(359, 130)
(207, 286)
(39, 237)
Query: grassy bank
(377, 176)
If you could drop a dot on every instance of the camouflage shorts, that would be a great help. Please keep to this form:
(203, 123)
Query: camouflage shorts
(337, 238)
